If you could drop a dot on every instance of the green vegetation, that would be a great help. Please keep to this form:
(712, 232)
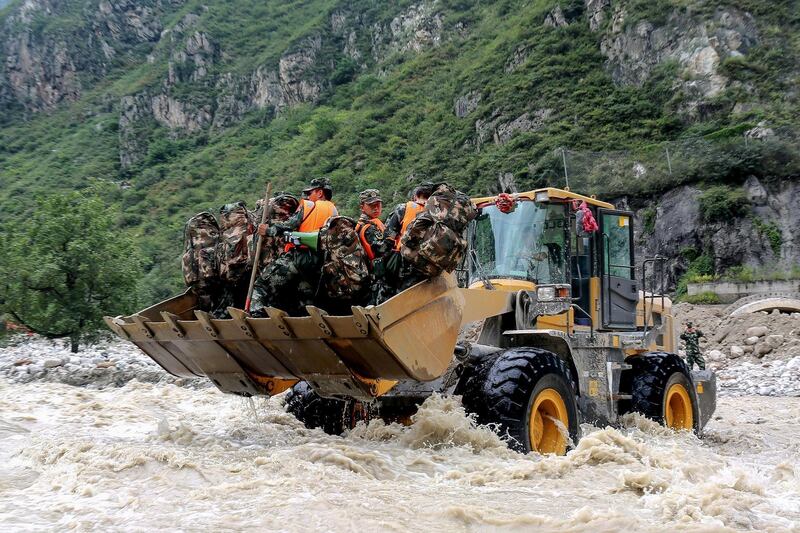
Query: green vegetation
(720, 203)
(708, 298)
(771, 232)
(65, 267)
(649, 220)
(743, 274)
(377, 124)
(701, 268)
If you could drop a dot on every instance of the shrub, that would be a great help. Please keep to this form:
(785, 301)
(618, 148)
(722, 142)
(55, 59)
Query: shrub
(771, 232)
(701, 268)
(720, 203)
(649, 220)
(709, 298)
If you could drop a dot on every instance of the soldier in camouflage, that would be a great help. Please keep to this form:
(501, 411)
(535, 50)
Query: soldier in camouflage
(291, 280)
(283, 206)
(376, 246)
(692, 339)
(434, 241)
(397, 221)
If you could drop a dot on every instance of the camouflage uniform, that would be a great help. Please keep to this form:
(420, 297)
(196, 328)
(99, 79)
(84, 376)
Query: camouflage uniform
(235, 256)
(375, 243)
(200, 260)
(434, 242)
(394, 223)
(283, 206)
(374, 236)
(398, 276)
(283, 281)
(346, 277)
(290, 281)
(692, 339)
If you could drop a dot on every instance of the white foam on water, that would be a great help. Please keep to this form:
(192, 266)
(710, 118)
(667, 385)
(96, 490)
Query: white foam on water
(147, 456)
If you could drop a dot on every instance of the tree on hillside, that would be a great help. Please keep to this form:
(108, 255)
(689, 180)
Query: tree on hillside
(65, 266)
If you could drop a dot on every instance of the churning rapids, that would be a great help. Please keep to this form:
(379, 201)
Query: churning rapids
(158, 456)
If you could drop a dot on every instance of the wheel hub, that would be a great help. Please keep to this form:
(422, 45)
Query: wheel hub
(678, 408)
(549, 423)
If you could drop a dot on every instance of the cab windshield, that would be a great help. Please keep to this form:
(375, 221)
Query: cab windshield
(528, 243)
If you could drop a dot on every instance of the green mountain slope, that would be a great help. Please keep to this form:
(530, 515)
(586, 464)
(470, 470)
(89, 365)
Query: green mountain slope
(198, 103)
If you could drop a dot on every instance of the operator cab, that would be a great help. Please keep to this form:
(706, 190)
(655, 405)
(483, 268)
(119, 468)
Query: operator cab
(543, 245)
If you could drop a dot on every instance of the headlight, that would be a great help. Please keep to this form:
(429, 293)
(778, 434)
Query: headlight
(541, 196)
(546, 294)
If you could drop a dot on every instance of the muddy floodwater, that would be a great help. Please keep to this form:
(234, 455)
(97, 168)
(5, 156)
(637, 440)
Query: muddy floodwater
(154, 456)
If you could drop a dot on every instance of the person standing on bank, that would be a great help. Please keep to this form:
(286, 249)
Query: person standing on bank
(692, 339)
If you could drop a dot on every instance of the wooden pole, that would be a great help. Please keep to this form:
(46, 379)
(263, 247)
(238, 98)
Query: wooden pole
(259, 242)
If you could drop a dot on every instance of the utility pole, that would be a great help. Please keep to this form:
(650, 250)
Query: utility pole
(564, 159)
(669, 163)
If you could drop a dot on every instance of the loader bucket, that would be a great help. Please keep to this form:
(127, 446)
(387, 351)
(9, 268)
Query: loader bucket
(410, 336)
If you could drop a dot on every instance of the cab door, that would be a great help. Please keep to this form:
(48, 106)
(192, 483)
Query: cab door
(619, 292)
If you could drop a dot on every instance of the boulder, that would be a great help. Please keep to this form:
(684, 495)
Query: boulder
(52, 363)
(736, 351)
(763, 349)
(750, 341)
(774, 340)
(715, 355)
(757, 331)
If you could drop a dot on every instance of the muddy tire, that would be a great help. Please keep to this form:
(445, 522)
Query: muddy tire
(314, 411)
(519, 393)
(662, 390)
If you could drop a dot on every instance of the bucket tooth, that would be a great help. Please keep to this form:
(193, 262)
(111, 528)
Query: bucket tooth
(240, 317)
(319, 319)
(172, 322)
(205, 320)
(360, 320)
(143, 329)
(115, 324)
(279, 317)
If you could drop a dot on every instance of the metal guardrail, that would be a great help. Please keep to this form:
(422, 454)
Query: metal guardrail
(658, 279)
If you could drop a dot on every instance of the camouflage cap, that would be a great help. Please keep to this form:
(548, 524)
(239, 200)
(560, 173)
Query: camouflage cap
(688, 324)
(369, 196)
(284, 197)
(231, 206)
(319, 183)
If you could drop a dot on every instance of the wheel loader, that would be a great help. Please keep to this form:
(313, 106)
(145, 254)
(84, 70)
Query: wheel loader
(545, 327)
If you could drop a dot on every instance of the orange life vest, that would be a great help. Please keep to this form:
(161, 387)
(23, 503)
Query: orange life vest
(315, 214)
(362, 228)
(412, 209)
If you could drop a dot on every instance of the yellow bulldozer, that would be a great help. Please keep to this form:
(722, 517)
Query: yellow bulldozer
(546, 326)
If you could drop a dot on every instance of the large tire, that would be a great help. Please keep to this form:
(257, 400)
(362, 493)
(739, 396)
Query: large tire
(314, 411)
(662, 390)
(519, 393)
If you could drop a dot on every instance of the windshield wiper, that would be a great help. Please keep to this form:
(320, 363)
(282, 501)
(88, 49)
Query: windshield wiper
(481, 273)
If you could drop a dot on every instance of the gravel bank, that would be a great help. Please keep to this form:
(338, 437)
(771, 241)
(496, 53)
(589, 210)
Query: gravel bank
(108, 363)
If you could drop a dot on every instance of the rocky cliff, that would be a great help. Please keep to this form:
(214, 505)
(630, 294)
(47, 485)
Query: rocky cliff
(672, 225)
(181, 102)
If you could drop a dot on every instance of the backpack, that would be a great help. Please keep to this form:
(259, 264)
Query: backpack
(201, 237)
(345, 271)
(452, 208)
(237, 228)
(434, 241)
